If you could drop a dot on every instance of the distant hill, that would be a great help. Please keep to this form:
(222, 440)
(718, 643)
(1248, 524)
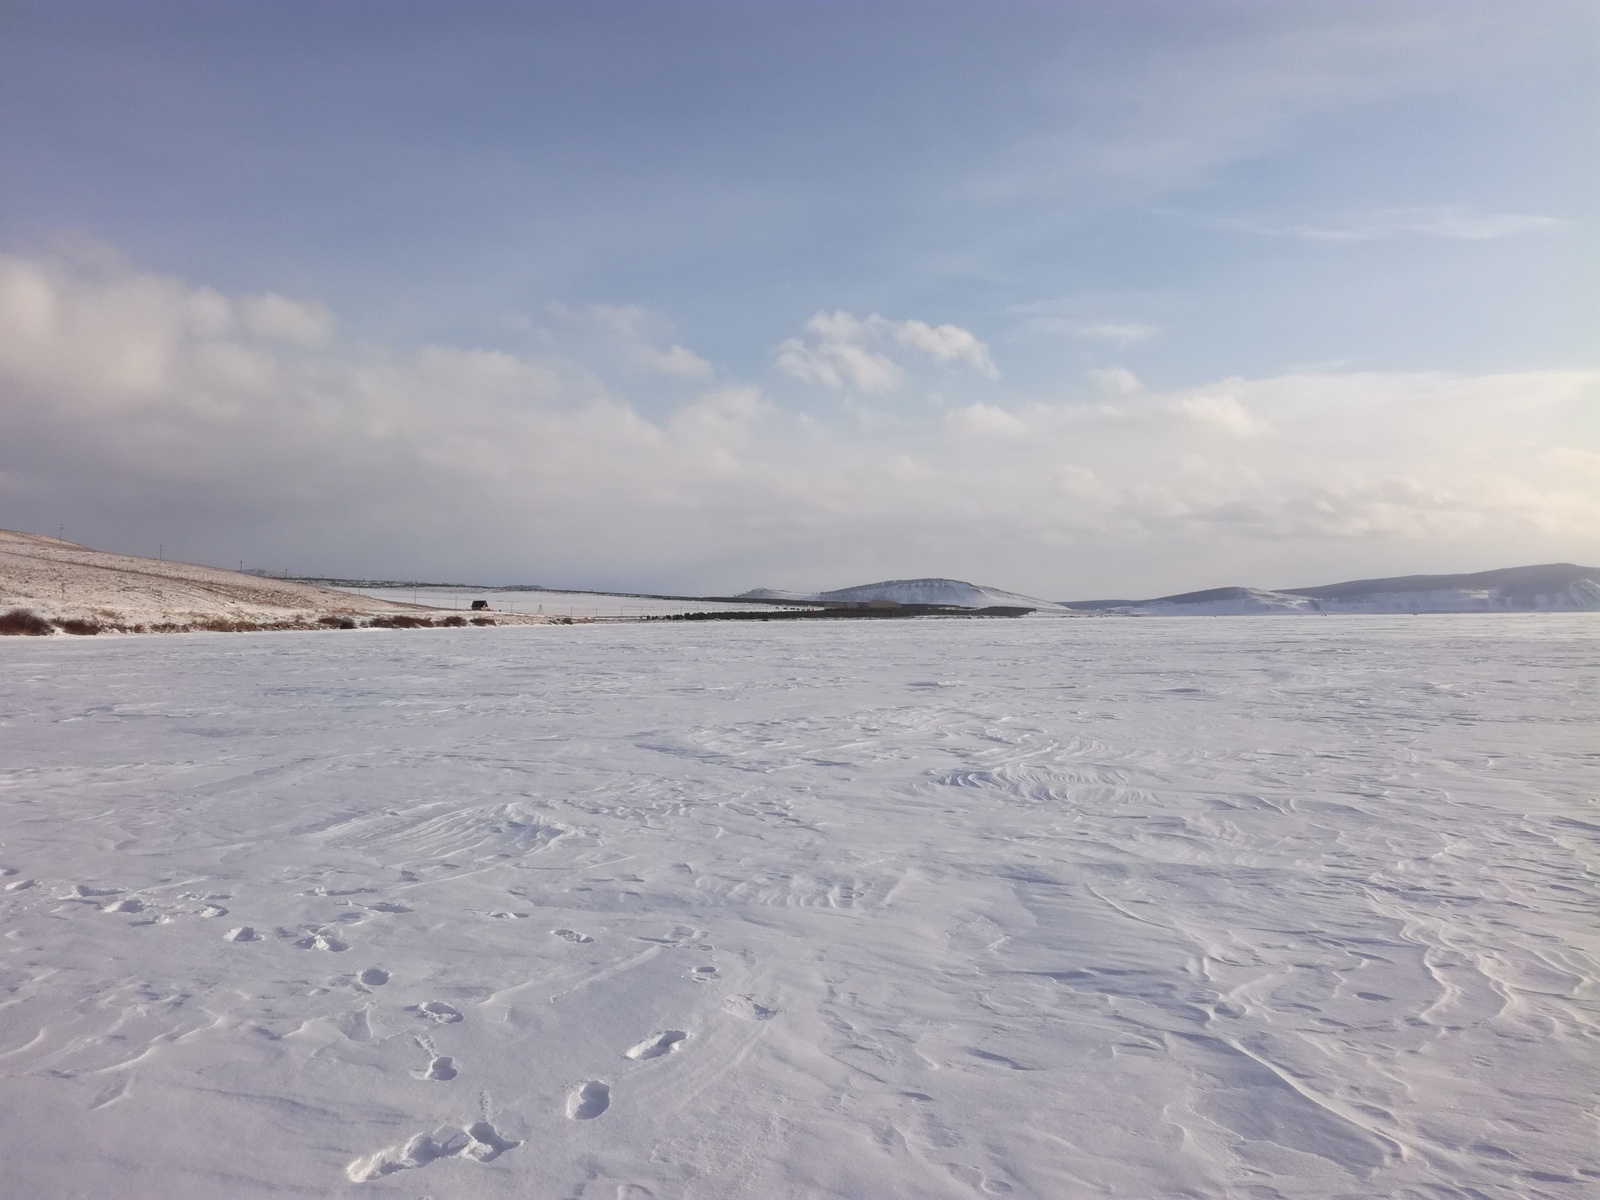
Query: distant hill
(956, 593)
(1550, 587)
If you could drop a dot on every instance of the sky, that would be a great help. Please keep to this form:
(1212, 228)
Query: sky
(1079, 299)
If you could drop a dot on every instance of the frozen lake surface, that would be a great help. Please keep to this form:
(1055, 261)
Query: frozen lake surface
(1298, 907)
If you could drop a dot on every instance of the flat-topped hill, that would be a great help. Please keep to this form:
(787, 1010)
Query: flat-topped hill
(951, 593)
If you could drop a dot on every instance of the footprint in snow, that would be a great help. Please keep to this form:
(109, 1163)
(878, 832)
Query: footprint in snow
(703, 974)
(83, 890)
(213, 910)
(479, 1141)
(385, 906)
(746, 1007)
(571, 935)
(441, 1070)
(485, 1144)
(437, 1011)
(374, 977)
(19, 884)
(323, 941)
(126, 905)
(657, 1044)
(588, 1100)
(242, 934)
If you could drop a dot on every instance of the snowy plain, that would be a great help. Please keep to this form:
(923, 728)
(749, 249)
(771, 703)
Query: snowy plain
(578, 605)
(1280, 907)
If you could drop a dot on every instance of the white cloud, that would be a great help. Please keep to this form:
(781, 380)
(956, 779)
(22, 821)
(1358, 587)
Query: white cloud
(1219, 408)
(1114, 381)
(1239, 85)
(1121, 334)
(674, 361)
(1118, 333)
(271, 316)
(128, 406)
(985, 419)
(633, 335)
(846, 351)
(942, 343)
(1451, 222)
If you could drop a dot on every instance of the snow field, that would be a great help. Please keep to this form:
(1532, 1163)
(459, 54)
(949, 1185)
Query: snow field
(879, 909)
(578, 605)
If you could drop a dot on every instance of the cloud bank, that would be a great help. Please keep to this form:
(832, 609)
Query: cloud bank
(137, 407)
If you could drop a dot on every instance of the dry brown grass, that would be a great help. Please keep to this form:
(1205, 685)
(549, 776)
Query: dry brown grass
(23, 622)
(80, 627)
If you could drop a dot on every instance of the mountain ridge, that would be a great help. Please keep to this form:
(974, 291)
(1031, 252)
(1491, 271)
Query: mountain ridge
(1544, 587)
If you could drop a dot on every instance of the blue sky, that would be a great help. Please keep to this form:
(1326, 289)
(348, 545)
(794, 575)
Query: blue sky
(1077, 298)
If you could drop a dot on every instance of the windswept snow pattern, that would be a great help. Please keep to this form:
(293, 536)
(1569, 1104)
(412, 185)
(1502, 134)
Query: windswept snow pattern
(949, 909)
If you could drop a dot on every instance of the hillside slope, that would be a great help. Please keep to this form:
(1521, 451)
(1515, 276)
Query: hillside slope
(88, 590)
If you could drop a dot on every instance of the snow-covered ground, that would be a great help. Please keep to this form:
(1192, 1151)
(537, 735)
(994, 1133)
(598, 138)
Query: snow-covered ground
(593, 605)
(1277, 908)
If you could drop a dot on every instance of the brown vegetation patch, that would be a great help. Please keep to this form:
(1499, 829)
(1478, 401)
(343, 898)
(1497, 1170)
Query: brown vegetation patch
(222, 625)
(23, 622)
(79, 627)
(483, 620)
(454, 622)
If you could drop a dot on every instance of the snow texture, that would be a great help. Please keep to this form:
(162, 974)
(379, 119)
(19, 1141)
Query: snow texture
(858, 909)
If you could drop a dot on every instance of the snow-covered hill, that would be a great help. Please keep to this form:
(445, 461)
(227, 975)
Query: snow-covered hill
(1550, 587)
(956, 593)
(78, 590)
